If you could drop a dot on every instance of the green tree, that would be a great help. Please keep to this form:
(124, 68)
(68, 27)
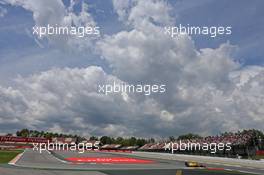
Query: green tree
(106, 140)
(94, 138)
(172, 139)
(141, 142)
(189, 136)
(132, 141)
(23, 133)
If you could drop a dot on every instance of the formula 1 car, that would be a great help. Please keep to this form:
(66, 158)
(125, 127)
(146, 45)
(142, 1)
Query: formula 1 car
(193, 164)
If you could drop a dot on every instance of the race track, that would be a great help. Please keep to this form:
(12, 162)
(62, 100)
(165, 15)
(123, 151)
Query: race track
(46, 163)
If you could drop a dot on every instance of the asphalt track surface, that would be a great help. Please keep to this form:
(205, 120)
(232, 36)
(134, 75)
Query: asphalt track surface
(46, 163)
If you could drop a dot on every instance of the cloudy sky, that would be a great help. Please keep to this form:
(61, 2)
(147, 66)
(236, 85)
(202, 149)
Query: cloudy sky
(51, 83)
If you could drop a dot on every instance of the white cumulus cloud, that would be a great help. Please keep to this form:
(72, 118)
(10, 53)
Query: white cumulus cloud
(206, 90)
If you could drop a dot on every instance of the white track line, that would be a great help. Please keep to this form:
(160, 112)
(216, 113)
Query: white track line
(15, 159)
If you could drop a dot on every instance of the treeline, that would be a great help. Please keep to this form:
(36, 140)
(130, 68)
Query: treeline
(132, 141)
(43, 134)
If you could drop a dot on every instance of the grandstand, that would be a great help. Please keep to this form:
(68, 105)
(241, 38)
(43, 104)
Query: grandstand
(62, 140)
(244, 144)
(111, 147)
(129, 148)
(12, 142)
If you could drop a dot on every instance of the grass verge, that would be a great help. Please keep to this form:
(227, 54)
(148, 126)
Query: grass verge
(8, 155)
